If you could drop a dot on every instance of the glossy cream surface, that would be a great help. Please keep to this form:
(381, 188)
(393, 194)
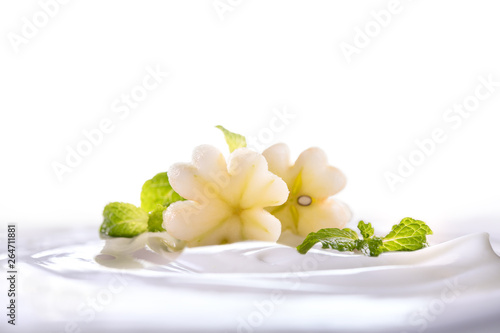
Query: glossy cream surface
(453, 286)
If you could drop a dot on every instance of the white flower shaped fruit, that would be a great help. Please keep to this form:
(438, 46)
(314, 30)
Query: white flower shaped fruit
(311, 182)
(225, 202)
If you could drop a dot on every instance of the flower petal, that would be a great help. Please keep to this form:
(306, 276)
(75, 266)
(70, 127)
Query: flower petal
(252, 184)
(260, 224)
(201, 180)
(197, 224)
(278, 159)
(319, 180)
(328, 213)
(208, 159)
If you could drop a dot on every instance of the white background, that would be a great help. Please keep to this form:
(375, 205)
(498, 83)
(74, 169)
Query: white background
(263, 55)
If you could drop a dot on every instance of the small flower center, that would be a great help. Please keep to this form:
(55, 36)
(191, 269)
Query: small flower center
(304, 200)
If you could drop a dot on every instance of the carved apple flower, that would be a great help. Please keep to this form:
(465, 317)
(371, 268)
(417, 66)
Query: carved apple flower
(225, 202)
(311, 182)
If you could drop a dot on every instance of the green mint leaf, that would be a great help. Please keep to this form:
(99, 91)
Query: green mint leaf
(335, 238)
(373, 247)
(366, 229)
(123, 220)
(156, 191)
(408, 235)
(234, 141)
(155, 220)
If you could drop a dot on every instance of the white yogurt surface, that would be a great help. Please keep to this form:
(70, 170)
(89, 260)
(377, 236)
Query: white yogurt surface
(453, 286)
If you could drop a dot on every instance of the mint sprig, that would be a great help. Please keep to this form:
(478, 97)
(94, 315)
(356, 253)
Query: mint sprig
(157, 191)
(335, 238)
(233, 140)
(155, 220)
(126, 220)
(366, 229)
(123, 220)
(408, 235)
